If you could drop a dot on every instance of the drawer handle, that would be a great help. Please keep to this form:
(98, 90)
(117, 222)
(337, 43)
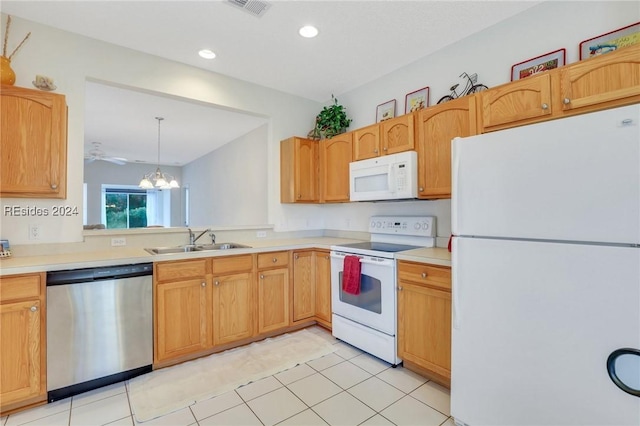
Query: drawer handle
(275, 259)
(424, 275)
(34, 308)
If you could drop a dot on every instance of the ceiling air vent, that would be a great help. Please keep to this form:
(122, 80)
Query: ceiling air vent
(254, 7)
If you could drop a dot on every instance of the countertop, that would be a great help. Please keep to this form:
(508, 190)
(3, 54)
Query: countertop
(125, 255)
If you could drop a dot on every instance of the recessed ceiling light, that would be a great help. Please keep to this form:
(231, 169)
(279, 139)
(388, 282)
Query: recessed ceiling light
(207, 54)
(308, 31)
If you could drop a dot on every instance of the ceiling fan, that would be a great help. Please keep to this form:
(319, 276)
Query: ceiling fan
(96, 153)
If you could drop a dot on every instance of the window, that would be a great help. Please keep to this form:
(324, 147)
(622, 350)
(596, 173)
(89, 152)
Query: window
(125, 208)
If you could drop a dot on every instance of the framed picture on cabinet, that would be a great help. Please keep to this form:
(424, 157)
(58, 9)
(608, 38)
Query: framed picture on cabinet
(608, 42)
(386, 111)
(416, 100)
(532, 66)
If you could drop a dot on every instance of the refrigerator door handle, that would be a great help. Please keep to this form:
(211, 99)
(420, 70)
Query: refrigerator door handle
(455, 288)
(626, 360)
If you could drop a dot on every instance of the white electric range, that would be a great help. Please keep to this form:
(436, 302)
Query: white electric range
(369, 320)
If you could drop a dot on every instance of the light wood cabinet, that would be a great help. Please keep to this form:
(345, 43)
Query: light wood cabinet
(437, 126)
(233, 301)
(273, 291)
(23, 341)
(335, 156)
(520, 102)
(299, 168)
(366, 142)
(323, 287)
(182, 308)
(304, 285)
(33, 136)
(398, 134)
(606, 81)
(424, 319)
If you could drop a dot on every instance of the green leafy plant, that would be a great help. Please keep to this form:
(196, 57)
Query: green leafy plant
(331, 121)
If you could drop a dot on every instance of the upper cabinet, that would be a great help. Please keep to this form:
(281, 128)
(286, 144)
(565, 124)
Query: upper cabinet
(436, 127)
(602, 82)
(299, 170)
(523, 102)
(335, 156)
(366, 142)
(34, 143)
(388, 137)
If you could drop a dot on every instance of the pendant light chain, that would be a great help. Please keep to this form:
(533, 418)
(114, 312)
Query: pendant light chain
(158, 179)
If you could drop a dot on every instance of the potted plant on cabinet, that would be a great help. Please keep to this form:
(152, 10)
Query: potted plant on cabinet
(331, 121)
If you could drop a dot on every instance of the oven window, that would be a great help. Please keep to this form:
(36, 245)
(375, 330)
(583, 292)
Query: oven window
(370, 297)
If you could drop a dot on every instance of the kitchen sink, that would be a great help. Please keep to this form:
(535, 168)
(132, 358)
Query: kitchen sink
(199, 247)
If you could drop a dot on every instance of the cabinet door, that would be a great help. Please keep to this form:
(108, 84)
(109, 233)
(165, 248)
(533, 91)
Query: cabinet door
(398, 134)
(514, 104)
(335, 156)
(424, 327)
(605, 81)
(181, 318)
(299, 171)
(437, 126)
(366, 142)
(232, 307)
(304, 285)
(33, 137)
(323, 286)
(21, 361)
(273, 299)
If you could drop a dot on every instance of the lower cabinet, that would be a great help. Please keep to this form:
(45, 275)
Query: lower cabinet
(181, 308)
(304, 285)
(23, 341)
(273, 291)
(323, 287)
(424, 319)
(233, 301)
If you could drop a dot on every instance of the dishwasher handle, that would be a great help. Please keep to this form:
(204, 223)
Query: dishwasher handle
(75, 276)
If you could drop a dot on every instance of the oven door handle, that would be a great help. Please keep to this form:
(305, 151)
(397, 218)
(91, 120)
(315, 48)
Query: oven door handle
(367, 260)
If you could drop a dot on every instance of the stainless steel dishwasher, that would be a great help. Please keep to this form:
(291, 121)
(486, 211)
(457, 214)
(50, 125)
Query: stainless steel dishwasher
(99, 327)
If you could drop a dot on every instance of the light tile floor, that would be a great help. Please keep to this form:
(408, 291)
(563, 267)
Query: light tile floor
(347, 387)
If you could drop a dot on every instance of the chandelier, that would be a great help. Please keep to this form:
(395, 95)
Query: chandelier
(158, 179)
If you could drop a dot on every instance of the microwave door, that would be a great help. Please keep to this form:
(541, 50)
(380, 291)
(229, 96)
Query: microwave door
(371, 183)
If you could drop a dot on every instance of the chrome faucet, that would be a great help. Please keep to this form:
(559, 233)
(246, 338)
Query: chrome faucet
(193, 238)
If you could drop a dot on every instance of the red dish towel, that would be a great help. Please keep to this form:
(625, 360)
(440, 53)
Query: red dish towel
(351, 275)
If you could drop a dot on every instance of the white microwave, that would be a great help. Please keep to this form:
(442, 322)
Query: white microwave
(389, 177)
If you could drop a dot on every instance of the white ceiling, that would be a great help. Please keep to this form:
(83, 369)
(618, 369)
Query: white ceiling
(359, 41)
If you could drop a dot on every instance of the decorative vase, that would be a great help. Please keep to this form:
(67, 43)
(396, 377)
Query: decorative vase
(7, 76)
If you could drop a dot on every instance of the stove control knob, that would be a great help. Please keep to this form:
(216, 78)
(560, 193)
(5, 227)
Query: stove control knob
(373, 224)
(425, 226)
(416, 226)
(378, 224)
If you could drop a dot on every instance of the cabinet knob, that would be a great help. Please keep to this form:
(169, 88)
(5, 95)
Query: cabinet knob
(54, 186)
(217, 283)
(421, 189)
(34, 308)
(384, 149)
(261, 276)
(424, 275)
(566, 101)
(375, 151)
(299, 196)
(399, 288)
(275, 259)
(545, 106)
(296, 256)
(203, 284)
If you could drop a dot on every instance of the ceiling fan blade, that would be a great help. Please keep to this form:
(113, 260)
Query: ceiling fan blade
(89, 159)
(115, 160)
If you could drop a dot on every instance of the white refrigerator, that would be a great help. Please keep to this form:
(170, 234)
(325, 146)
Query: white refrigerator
(546, 273)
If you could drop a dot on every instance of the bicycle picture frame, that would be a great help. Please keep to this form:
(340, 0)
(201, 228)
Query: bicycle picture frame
(538, 64)
(607, 42)
(416, 100)
(386, 111)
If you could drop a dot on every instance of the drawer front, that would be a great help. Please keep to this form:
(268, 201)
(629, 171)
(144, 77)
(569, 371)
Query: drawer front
(20, 287)
(273, 259)
(224, 265)
(429, 275)
(168, 271)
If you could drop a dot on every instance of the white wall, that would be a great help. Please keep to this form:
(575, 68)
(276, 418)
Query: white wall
(70, 59)
(101, 172)
(228, 185)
